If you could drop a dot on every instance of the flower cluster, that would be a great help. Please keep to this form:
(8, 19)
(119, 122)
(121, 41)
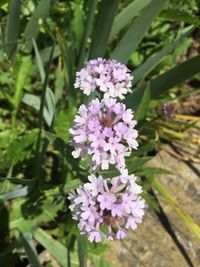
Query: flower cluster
(105, 131)
(109, 76)
(106, 208)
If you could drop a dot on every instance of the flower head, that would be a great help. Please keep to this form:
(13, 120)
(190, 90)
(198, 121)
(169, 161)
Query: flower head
(105, 131)
(109, 76)
(113, 208)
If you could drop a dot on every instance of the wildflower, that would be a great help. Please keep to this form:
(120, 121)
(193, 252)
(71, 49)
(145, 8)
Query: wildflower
(105, 131)
(109, 76)
(168, 110)
(114, 208)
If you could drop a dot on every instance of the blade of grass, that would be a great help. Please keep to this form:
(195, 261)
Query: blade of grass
(143, 70)
(39, 61)
(82, 251)
(67, 51)
(41, 13)
(180, 16)
(88, 26)
(133, 36)
(188, 221)
(127, 15)
(174, 76)
(55, 248)
(143, 106)
(42, 103)
(166, 81)
(12, 27)
(102, 27)
(27, 241)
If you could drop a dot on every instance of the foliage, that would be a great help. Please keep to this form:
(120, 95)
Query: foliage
(43, 43)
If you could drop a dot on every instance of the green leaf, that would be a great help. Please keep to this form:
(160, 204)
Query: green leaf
(151, 200)
(22, 75)
(82, 251)
(34, 102)
(180, 16)
(77, 22)
(127, 15)
(55, 248)
(12, 27)
(29, 246)
(143, 106)
(43, 210)
(41, 13)
(166, 81)
(174, 76)
(144, 69)
(16, 192)
(68, 55)
(186, 219)
(21, 147)
(87, 29)
(102, 27)
(39, 61)
(131, 39)
(64, 122)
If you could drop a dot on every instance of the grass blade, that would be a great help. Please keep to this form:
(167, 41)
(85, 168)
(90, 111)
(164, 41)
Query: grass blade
(102, 27)
(82, 251)
(27, 241)
(144, 69)
(142, 108)
(166, 81)
(174, 76)
(12, 27)
(56, 249)
(127, 15)
(42, 104)
(89, 23)
(181, 16)
(188, 221)
(41, 13)
(67, 51)
(131, 39)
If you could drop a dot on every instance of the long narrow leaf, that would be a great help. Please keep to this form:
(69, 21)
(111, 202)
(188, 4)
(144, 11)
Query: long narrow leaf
(41, 12)
(166, 81)
(89, 23)
(142, 108)
(187, 220)
(102, 27)
(82, 251)
(27, 241)
(131, 39)
(153, 61)
(127, 15)
(12, 26)
(42, 104)
(55, 248)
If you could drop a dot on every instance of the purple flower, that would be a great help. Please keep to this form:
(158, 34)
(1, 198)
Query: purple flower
(121, 234)
(95, 236)
(108, 76)
(106, 200)
(105, 131)
(109, 204)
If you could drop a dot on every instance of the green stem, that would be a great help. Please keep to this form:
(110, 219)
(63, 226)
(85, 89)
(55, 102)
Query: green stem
(192, 226)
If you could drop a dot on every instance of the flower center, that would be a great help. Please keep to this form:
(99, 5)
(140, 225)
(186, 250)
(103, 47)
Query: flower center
(106, 121)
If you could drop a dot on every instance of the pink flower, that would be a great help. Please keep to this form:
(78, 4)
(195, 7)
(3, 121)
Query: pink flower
(112, 204)
(108, 76)
(100, 131)
(106, 200)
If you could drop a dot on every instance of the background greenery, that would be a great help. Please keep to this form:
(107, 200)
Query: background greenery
(43, 43)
